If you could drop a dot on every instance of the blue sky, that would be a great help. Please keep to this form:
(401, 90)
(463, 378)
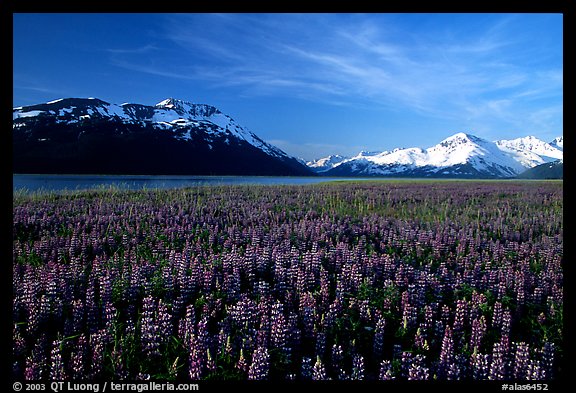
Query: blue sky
(312, 84)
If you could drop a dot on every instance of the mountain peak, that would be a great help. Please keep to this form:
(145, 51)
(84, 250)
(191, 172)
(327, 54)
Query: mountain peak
(167, 103)
(184, 108)
(462, 137)
(173, 103)
(558, 143)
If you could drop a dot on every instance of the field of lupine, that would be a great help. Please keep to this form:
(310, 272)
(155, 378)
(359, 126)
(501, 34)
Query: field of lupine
(451, 280)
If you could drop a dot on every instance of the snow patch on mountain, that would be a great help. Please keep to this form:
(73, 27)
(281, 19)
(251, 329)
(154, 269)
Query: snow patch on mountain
(17, 115)
(326, 163)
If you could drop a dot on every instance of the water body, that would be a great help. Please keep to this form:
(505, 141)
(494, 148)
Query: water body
(32, 183)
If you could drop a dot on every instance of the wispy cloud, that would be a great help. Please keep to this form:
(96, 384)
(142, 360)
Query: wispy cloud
(353, 60)
(40, 90)
(138, 50)
(153, 69)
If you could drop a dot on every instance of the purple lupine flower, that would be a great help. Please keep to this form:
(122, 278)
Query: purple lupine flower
(318, 371)
(521, 360)
(320, 343)
(557, 295)
(324, 288)
(57, 372)
(18, 351)
(77, 315)
(480, 366)
(187, 324)
(263, 288)
(195, 359)
(405, 362)
(241, 364)
(498, 365)
(245, 312)
(365, 314)
(357, 367)
(497, 315)
(478, 331)
(501, 290)
(97, 360)
(149, 330)
(386, 373)
(419, 340)
(337, 358)
(334, 311)
(202, 339)
(462, 368)
(278, 330)
(379, 337)
(260, 364)
(439, 329)
(418, 370)
(32, 370)
(478, 299)
(105, 288)
(409, 316)
(280, 273)
(306, 368)
(459, 319)
(120, 371)
(40, 366)
(168, 282)
(92, 318)
(547, 360)
(404, 301)
(210, 363)
(43, 309)
(164, 322)
(535, 372)
(538, 294)
(108, 313)
(307, 307)
(78, 358)
(226, 345)
(445, 315)
(427, 324)
(506, 322)
(263, 334)
(446, 354)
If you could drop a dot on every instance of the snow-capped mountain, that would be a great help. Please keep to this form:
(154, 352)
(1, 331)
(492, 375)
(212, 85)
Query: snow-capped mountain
(531, 151)
(89, 135)
(326, 163)
(460, 155)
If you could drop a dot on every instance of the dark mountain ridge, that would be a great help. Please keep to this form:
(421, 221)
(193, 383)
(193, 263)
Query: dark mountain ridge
(91, 136)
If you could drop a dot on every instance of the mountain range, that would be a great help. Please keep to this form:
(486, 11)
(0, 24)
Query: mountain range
(89, 135)
(461, 155)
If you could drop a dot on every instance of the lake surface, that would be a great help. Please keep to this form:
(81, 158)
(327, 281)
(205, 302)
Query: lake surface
(32, 183)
